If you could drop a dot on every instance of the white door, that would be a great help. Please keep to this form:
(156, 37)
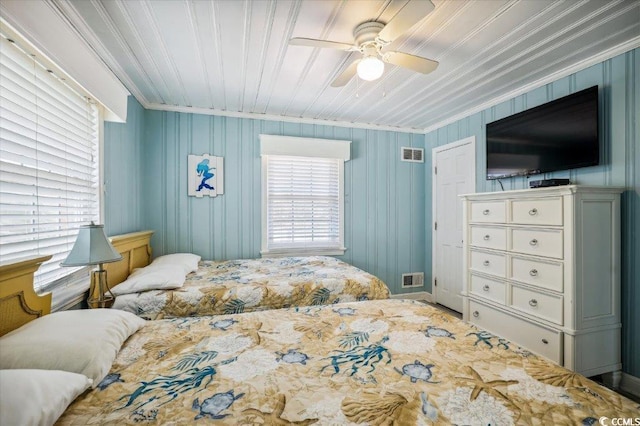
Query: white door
(454, 173)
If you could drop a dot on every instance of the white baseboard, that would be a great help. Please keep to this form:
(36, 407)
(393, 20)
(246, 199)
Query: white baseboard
(420, 295)
(630, 384)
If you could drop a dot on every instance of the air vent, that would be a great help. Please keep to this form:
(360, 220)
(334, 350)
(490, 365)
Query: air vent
(413, 155)
(415, 279)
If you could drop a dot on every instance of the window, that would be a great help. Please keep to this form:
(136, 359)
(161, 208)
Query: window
(303, 195)
(49, 177)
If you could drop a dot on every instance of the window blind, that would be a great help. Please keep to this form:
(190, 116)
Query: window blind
(49, 175)
(303, 202)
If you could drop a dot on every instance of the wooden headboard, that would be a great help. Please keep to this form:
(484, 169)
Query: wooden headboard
(19, 303)
(135, 249)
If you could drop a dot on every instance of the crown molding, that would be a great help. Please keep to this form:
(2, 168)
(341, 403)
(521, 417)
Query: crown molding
(571, 69)
(578, 66)
(273, 117)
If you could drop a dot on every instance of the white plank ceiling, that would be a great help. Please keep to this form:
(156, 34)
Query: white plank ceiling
(233, 56)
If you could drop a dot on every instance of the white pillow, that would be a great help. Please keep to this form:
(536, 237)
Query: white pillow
(152, 277)
(83, 341)
(188, 261)
(37, 397)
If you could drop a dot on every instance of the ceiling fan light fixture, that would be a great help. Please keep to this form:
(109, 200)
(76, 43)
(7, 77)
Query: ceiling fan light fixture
(370, 68)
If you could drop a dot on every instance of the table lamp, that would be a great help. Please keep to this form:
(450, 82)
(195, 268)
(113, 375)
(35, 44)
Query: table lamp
(93, 248)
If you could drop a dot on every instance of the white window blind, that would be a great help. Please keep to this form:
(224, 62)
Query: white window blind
(48, 162)
(303, 204)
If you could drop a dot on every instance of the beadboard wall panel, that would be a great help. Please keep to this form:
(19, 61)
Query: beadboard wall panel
(123, 164)
(384, 197)
(618, 79)
(630, 129)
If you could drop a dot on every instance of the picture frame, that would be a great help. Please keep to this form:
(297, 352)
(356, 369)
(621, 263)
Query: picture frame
(205, 175)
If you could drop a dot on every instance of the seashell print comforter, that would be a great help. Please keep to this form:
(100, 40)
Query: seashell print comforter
(247, 285)
(385, 362)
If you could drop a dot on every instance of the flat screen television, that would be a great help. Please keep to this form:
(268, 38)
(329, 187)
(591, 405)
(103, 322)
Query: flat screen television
(559, 135)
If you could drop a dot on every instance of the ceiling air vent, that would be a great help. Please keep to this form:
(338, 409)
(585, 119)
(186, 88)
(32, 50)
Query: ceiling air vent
(413, 155)
(415, 279)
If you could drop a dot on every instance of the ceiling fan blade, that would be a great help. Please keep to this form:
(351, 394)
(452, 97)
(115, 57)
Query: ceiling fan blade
(312, 42)
(346, 75)
(415, 63)
(407, 17)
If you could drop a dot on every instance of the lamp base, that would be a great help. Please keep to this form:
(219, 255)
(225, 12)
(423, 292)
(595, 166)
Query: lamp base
(100, 295)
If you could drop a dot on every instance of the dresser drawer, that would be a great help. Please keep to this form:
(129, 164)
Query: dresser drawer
(540, 340)
(541, 274)
(489, 289)
(538, 304)
(540, 242)
(489, 263)
(489, 211)
(546, 211)
(494, 238)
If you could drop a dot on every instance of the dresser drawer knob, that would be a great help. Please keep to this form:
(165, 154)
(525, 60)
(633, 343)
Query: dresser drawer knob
(533, 302)
(545, 341)
(485, 288)
(533, 242)
(486, 263)
(485, 212)
(487, 237)
(533, 212)
(533, 272)
(476, 314)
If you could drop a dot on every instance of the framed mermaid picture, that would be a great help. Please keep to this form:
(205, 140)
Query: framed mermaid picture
(206, 175)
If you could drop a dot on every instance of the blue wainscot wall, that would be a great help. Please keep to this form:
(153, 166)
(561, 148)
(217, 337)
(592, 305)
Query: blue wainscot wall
(619, 82)
(122, 164)
(146, 188)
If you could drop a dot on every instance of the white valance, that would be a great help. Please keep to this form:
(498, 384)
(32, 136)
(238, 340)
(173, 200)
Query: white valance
(58, 45)
(305, 147)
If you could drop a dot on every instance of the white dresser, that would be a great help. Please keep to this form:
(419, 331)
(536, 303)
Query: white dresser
(542, 269)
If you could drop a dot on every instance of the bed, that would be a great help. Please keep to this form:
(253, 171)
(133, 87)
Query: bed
(243, 285)
(370, 362)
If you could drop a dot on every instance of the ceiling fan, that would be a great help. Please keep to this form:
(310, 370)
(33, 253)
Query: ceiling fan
(371, 38)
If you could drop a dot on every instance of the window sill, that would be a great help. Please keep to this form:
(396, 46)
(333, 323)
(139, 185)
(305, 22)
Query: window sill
(69, 291)
(306, 251)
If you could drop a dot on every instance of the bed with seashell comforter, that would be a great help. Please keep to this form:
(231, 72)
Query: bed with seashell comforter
(246, 285)
(373, 362)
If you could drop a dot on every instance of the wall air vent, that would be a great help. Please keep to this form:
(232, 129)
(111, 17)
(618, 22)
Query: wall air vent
(414, 279)
(413, 155)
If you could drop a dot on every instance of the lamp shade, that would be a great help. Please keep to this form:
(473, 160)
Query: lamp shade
(91, 248)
